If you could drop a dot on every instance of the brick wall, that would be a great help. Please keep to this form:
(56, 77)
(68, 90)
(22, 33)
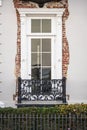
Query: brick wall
(18, 55)
(62, 4)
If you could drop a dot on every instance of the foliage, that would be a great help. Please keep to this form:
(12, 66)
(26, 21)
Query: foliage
(58, 109)
(59, 117)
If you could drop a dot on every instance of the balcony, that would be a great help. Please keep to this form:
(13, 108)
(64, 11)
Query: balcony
(41, 91)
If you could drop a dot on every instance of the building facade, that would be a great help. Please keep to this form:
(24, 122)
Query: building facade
(35, 48)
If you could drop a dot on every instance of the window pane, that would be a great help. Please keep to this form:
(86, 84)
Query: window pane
(46, 45)
(46, 73)
(35, 45)
(41, 25)
(46, 25)
(35, 25)
(46, 59)
(36, 73)
(35, 59)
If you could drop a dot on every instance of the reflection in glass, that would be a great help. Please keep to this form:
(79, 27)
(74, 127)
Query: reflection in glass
(41, 25)
(36, 73)
(35, 45)
(35, 25)
(46, 45)
(35, 59)
(41, 58)
(46, 73)
(46, 59)
(46, 25)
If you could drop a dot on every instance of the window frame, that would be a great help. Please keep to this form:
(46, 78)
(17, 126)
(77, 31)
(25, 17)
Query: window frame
(53, 31)
(31, 35)
(26, 13)
(29, 53)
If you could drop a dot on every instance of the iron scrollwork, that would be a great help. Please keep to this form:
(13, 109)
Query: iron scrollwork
(43, 90)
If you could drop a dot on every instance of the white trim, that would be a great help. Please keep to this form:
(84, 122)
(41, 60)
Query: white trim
(23, 48)
(53, 20)
(58, 48)
(26, 15)
(27, 11)
(29, 57)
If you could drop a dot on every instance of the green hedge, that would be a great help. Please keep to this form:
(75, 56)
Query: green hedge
(60, 109)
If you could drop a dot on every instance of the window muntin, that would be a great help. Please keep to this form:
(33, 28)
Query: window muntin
(41, 58)
(56, 36)
(40, 25)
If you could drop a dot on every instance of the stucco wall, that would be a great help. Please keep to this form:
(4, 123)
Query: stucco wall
(8, 50)
(77, 38)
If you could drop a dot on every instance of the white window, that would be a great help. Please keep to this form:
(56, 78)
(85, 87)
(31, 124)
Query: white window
(40, 40)
(41, 43)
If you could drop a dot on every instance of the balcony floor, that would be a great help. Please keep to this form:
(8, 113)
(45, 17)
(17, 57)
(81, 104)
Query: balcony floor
(39, 103)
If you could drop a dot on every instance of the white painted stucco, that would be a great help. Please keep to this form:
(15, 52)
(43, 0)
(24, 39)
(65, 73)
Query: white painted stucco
(8, 30)
(77, 38)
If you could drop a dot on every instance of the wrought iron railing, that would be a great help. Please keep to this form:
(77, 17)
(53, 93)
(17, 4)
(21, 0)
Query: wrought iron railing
(41, 90)
(43, 122)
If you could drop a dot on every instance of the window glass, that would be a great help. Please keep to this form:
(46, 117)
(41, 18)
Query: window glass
(36, 73)
(35, 25)
(46, 45)
(46, 25)
(35, 45)
(35, 59)
(41, 58)
(46, 59)
(46, 73)
(41, 25)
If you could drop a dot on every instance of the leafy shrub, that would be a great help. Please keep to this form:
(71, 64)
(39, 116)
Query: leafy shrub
(58, 109)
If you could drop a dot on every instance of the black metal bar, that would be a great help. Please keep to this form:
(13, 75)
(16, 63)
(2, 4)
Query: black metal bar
(64, 89)
(19, 90)
(43, 90)
(41, 122)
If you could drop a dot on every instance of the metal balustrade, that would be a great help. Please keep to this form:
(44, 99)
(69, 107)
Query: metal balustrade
(43, 121)
(42, 90)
